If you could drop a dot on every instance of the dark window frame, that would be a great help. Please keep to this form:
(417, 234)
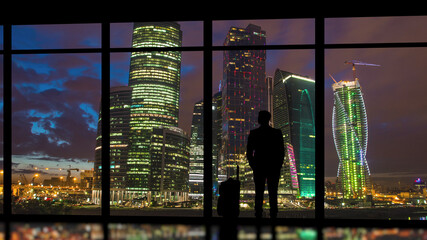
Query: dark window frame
(319, 46)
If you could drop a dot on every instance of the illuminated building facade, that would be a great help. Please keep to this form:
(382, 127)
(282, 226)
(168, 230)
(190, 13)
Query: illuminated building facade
(196, 152)
(292, 166)
(120, 101)
(169, 151)
(350, 130)
(294, 114)
(155, 79)
(196, 146)
(244, 94)
(216, 138)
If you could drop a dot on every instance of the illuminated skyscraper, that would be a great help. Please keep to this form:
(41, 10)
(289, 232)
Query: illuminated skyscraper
(196, 146)
(155, 79)
(120, 101)
(244, 94)
(196, 152)
(216, 137)
(169, 151)
(294, 114)
(350, 130)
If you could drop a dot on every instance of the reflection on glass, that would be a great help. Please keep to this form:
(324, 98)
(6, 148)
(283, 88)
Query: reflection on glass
(376, 29)
(55, 113)
(230, 231)
(254, 80)
(274, 31)
(83, 231)
(150, 231)
(56, 36)
(373, 233)
(156, 152)
(370, 176)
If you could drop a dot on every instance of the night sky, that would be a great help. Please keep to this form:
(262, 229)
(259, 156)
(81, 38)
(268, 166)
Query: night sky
(56, 97)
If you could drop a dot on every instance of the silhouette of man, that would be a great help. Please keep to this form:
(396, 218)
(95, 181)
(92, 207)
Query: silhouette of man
(265, 153)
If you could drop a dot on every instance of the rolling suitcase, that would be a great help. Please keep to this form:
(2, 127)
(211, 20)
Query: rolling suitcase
(229, 196)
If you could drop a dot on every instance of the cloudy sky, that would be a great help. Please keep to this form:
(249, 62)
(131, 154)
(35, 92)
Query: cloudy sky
(56, 96)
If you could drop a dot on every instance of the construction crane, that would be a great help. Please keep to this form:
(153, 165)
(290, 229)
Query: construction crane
(355, 62)
(69, 179)
(35, 176)
(24, 179)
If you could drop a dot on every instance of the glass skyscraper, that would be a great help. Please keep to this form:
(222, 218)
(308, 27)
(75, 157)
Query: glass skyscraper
(294, 114)
(244, 94)
(155, 79)
(120, 101)
(196, 152)
(350, 131)
(169, 154)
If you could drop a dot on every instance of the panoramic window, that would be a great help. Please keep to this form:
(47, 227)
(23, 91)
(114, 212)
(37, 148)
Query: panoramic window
(137, 125)
(56, 100)
(55, 110)
(373, 127)
(246, 81)
(156, 121)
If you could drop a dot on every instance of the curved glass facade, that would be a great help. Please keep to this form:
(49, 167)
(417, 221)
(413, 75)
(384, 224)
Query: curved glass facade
(350, 129)
(293, 113)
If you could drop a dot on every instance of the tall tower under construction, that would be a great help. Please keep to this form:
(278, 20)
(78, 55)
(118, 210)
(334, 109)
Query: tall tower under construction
(350, 131)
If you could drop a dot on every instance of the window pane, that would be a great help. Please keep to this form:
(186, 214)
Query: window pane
(155, 149)
(281, 82)
(269, 32)
(58, 36)
(374, 133)
(54, 122)
(376, 29)
(191, 33)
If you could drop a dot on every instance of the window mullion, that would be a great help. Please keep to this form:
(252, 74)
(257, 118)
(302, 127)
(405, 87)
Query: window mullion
(105, 121)
(319, 146)
(7, 126)
(207, 119)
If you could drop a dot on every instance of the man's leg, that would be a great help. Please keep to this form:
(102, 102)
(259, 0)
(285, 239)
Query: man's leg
(273, 184)
(259, 193)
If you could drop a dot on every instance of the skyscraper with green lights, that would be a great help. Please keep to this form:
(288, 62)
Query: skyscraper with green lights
(350, 130)
(155, 80)
(294, 114)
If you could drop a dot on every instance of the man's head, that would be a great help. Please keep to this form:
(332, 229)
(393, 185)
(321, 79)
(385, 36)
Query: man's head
(264, 117)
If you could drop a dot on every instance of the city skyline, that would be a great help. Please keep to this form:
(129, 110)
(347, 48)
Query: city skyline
(388, 59)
